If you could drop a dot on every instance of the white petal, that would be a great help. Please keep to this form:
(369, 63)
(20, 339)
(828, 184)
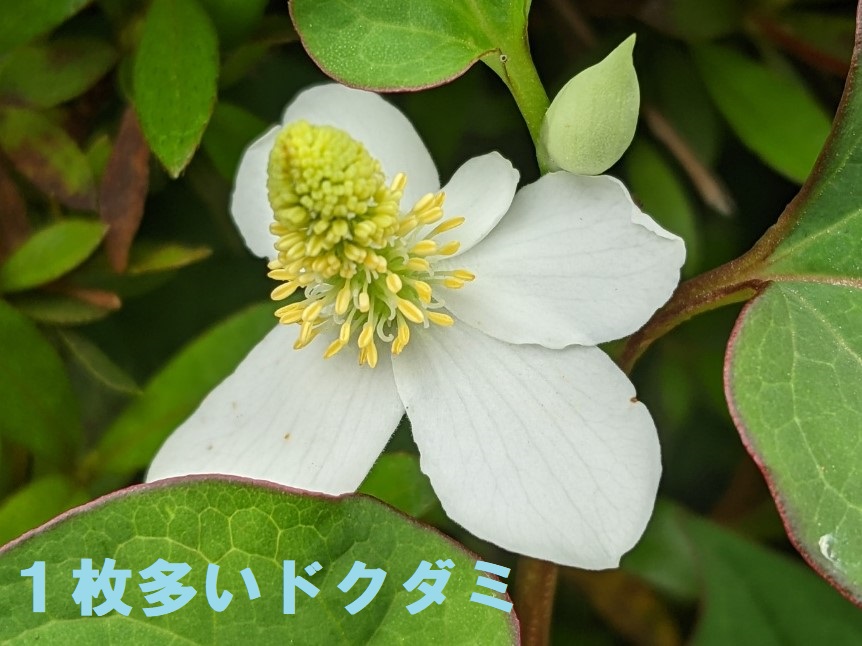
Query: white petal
(381, 127)
(249, 203)
(291, 417)
(574, 261)
(542, 452)
(481, 191)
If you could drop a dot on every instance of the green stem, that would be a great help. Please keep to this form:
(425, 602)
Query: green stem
(536, 582)
(535, 586)
(733, 282)
(514, 65)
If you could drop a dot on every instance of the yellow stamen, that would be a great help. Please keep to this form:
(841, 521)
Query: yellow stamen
(438, 318)
(367, 267)
(410, 311)
(393, 282)
(333, 349)
(449, 248)
(424, 248)
(447, 225)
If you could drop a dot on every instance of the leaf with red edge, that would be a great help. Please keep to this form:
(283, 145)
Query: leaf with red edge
(238, 524)
(793, 373)
(393, 45)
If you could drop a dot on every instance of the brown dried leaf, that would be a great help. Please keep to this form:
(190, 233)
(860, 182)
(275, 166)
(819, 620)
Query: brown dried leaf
(47, 156)
(124, 190)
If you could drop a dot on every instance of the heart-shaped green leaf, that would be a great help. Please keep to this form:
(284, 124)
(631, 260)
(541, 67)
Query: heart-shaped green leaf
(393, 45)
(794, 363)
(795, 386)
(237, 524)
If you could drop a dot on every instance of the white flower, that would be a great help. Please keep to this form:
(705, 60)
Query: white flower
(531, 436)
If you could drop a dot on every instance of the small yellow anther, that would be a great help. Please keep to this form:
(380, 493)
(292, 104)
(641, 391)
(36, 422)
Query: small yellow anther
(402, 338)
(345, 331)
(307, 332)
(364, 302)
(424, 248)
(447, 225)
(398, 183)
(418, 265)
(430, 216)
(371, 354)
(310, 314)
(366, 336)
(438, 318)
(410, 311)
(423, 290)
(284, 291)
(368, 355)
(393, 283)
(423, 202)
(333, 349)
(463, 274)
(280, 274)
(449, 248)
(342, 301)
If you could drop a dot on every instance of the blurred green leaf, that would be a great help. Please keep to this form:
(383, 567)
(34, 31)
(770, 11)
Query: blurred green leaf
(175, 72)
(14, 224)
(664, 556)
(774, 115)
(50, 253)
(828, 35)
(777, 601)
(39, 410)
(173, 394)
(43, 153)
(592, 120)
(98, 364)
(58, 309)
(396, 479)
(237, 524)
(151, 257)
(231, 129)
(36, 503)
(672, 82)
(98, 152)
(661, 194)
(23, 20)
(390, 45)
(234, 20)
(695, 20)
(238, 63)
(48, 74)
